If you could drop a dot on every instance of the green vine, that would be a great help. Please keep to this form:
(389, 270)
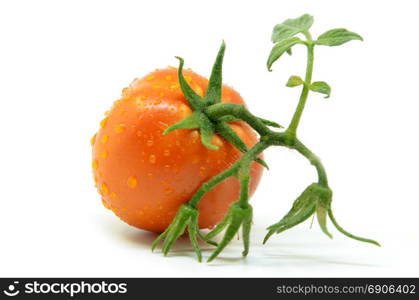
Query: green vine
(210, 116)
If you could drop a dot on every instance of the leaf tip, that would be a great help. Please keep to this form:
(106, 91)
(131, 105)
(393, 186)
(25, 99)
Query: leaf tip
(210, 146)
(168, 130)
(269, 66)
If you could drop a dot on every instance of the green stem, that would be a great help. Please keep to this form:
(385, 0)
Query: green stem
(239, 111)
(244, 177)
(232, 171)
(292, 128)
(207, 186)
(314, 160)
(217, 111)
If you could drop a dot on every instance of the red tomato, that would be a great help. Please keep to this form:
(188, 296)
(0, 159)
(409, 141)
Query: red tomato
(143, 176)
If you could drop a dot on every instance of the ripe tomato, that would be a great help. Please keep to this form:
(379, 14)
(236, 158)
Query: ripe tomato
(143, 176)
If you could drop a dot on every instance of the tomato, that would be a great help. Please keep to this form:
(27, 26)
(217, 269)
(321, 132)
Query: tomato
(143, 176)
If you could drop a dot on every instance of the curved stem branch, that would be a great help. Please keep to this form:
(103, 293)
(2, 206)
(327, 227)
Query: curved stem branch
(273, 138)
(232, 171)
(314, 160)
(209, 185)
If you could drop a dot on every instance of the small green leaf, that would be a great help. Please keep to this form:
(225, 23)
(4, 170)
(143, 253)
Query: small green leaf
(193, 98)
(207, 130)
(291, 27)
(321, 218)
(280, 48)
(213, 94)
(189, 122)
(336, 37)
(270, 123)
(294, 81)
(321, 87)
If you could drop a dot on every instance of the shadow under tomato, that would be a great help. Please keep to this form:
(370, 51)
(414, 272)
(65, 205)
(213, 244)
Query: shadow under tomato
(143, 239)
(292, 250)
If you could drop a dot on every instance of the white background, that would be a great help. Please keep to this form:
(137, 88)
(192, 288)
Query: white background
(62, 64)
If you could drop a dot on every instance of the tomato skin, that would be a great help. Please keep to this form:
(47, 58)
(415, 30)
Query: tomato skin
(143, 176)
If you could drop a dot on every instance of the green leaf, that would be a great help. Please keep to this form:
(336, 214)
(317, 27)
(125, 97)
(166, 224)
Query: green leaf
(193, 98)
(280, 48)
(291, 27)
(321, 87)
(321, 218)
(207, 131)
(190, 122)
(336, 37)
(294, 81)
(213, 94)
(270, 123)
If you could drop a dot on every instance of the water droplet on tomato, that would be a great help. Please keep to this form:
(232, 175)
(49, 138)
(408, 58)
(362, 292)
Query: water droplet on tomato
(93, 139)
(106, 204)
(188, 79)
(105, 139)
(104, 189)
(103, 122)
(152, 158)
(194, 135)
(94, 164)
(104, 154)
(202, 171)
(199, 90)
(120, 128)
(132, 182)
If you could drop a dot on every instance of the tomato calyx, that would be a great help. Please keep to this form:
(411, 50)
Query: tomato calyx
(315, 199)
(239, 215)
(186, 218)
(200, 119)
